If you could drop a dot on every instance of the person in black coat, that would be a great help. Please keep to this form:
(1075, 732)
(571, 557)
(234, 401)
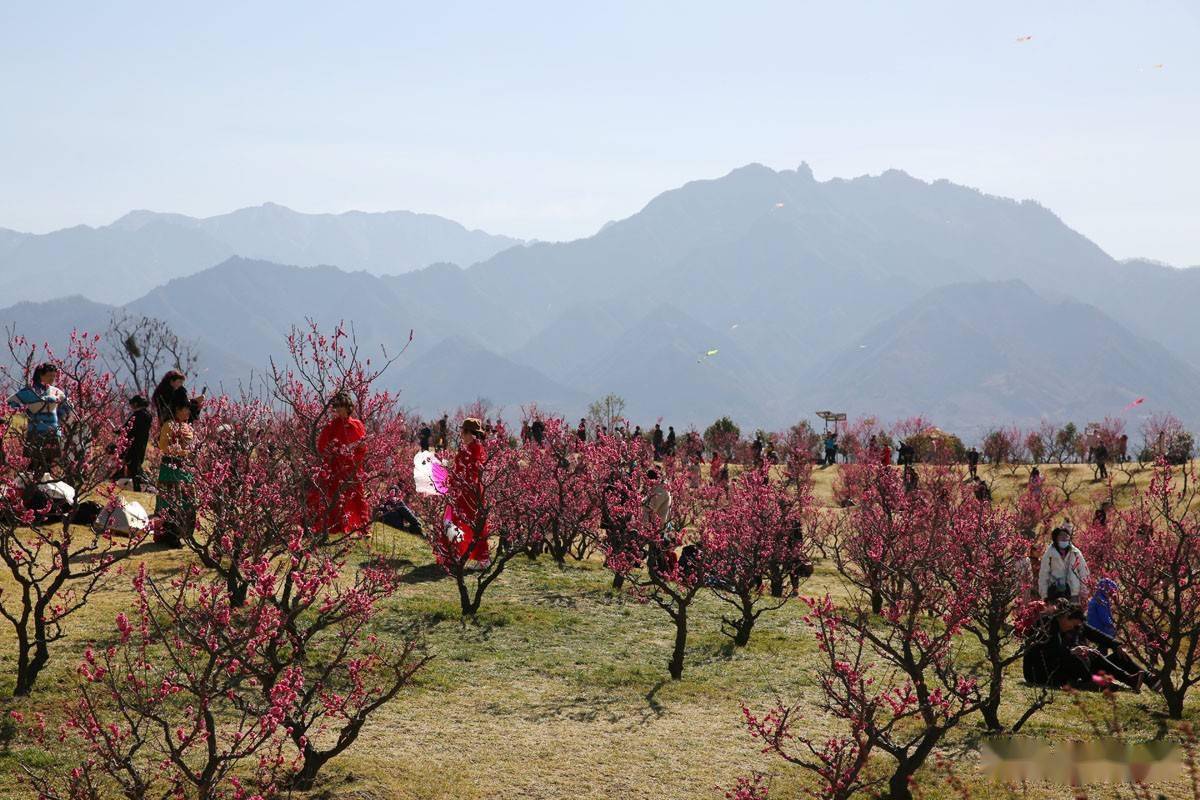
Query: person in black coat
(137, 437)
(1063, 651)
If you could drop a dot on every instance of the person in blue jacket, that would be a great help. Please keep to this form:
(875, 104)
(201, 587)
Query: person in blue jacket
(45, 407)
(1099, 608)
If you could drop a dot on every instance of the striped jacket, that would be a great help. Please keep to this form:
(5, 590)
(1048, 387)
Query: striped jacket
(44, 406)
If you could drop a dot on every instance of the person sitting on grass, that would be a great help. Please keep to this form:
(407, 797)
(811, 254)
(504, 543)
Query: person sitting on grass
(1063, 651)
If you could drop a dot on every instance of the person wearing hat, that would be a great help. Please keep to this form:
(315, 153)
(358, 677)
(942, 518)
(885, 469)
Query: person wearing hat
(45, 407)
(1099, 607)
(337, 499)
(464, 529)
(1064, 571)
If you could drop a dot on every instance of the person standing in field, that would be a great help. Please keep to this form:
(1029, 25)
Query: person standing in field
(1064, 571)
(581, 431)
(45, 407)
(443, 433)
(1100, 453)
(175, 505)
(137, 438)
(169, 392)
(467, 498)
(831, 448)
(657, 510)
(657, 440)
(973, 462)
(337, 497)
(670, 442)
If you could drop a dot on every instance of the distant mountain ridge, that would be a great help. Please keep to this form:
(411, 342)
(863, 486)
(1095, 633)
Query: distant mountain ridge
(882, 294)
(967, 355)
(143, 249)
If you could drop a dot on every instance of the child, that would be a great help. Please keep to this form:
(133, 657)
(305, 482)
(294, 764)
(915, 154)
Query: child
(176, 439)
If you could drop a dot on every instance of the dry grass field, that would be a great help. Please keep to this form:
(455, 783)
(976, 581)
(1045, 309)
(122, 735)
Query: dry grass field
(559, 690)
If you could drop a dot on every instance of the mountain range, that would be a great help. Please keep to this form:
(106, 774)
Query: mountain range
(880, 294)
(119, 262)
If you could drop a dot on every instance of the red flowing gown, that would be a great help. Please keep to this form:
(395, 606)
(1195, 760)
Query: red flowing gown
(338, 499)
(466, 492)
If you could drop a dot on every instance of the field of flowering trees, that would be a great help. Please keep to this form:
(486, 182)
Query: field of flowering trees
(780, 629)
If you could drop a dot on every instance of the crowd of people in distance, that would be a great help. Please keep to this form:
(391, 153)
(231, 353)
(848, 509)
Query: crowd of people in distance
(1074, 640)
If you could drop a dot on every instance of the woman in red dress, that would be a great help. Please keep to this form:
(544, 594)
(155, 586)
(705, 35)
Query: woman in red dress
(337, 500)
(466, 495)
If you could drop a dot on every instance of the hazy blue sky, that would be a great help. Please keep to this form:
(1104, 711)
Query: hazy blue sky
(547, 119)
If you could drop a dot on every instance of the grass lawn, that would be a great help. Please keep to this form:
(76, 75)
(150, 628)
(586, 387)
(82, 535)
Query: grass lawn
(559, 689)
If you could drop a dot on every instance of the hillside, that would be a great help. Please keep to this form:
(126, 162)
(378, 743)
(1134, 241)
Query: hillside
(117, 263)
(976, 354)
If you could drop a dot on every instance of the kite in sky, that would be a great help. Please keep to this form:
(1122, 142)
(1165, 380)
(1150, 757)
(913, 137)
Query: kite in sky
(779, 205)
(734, 326)
(1137, 402)
(1024, 38)
(707, 354)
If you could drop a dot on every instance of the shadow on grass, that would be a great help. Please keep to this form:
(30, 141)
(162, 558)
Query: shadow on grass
(652, 699)
(426, 573)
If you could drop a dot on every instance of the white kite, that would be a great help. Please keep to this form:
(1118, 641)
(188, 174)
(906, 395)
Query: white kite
(430, 475)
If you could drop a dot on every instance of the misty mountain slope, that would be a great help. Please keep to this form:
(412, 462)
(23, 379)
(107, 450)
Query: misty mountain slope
(248, 307)
(1156, 301)
(973, 354)
(659, 366)
(446, 302)
(790, 302)
(119, 262)
(384, 243)
(455, 372)
(579, 336)
(111, 264)
(51, 322)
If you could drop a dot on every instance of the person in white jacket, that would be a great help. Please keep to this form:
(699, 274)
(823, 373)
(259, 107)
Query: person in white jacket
(1064, 570)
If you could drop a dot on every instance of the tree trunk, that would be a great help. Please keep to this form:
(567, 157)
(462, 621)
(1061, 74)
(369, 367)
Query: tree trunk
(32, 657)
(776, 581)
(307, 776)
(618, 581)
(469, 605)
(743, 627)
(237, 591)
(876, 600)
(24, 682)
(898, 785)
(1174, 698)
(676, 665)
(991, 704)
